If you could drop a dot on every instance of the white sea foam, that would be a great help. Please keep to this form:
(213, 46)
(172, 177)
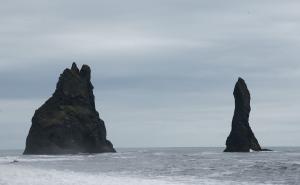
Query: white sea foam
(22, 175)
(123, 157)
(8, 159)
(210, 153)
(156, 166)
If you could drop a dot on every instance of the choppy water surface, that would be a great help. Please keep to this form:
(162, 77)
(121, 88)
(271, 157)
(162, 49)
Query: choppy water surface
(162, 166)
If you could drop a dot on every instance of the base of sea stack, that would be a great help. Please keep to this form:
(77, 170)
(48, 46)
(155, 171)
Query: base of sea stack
(56, 150)
(245, 150)
(239, 150)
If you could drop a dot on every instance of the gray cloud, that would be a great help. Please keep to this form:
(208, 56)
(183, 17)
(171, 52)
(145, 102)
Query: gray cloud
(168, 66)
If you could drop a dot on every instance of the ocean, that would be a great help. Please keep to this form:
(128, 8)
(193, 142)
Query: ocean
(153, 166)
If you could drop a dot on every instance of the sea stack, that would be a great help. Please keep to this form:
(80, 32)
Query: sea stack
(241, 137)
(68, 123)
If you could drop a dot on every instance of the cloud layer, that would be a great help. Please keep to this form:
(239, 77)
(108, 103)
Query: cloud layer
(163, 71)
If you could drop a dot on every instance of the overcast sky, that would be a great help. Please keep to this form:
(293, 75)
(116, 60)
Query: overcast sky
(163, 70)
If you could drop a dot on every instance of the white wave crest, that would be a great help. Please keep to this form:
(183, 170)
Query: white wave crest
(21, 175)
(8, 159)
(13, 174)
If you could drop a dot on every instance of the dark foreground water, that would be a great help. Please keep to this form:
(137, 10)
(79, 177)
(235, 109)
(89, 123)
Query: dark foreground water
(162, 166)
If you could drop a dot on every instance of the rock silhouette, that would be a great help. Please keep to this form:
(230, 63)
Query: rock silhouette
(68, 123)
(241, 137)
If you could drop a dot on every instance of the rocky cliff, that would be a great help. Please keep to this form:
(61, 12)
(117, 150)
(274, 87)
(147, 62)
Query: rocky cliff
(241, 137)
(68, 122)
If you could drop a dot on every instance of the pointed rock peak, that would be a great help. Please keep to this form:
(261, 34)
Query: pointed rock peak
(241, 89)
(241, 82)
(74, 68)
(241, 79)
(74, 83)
(85, 72)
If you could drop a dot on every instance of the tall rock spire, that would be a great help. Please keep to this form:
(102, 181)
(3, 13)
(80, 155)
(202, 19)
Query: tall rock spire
(68, 122)
(241, 137)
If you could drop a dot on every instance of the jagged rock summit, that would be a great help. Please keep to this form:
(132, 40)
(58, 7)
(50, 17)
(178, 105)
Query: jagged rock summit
(241, 137)
(68, 123)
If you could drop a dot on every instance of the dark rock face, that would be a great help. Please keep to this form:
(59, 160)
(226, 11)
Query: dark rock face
(241, 137)
(68, 122)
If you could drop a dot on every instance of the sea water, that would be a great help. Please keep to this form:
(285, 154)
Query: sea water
(153, 166)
